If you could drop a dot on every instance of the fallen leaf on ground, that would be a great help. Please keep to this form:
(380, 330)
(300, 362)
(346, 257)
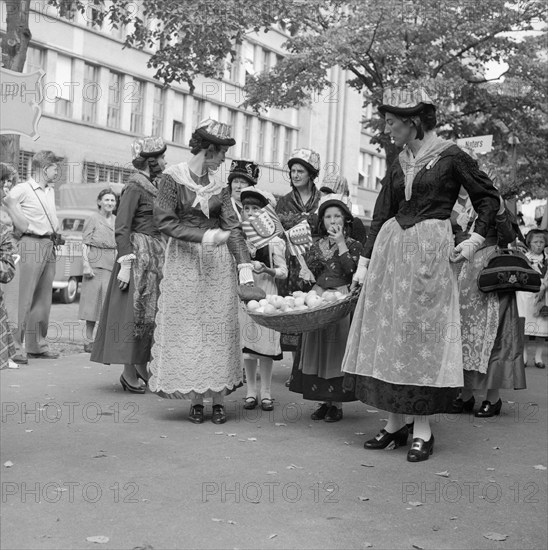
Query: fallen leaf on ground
(372, 411)
(219, 433)
(435, 528)
(368, 465)
(8, 464)
(539, 467)
(28, 431)
(364, 499)
(272, 536)
(495, 536)
(252, 439)
(496, 448)
(163, 436)
(232, 435)
(100, 456)
(100, 539)
(359, 433)
(271, 473)
(453, 518)
(280, 424)
(231, 522)
(348, 443)
(333, 517)
(415, 503)
(216, 519)
(490, 469)
(442, 474)
(418, 547)
(293, 467)
(367, 545)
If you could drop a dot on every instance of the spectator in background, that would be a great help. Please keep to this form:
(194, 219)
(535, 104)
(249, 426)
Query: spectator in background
(36, 200)
(99, 254)
(10, 212)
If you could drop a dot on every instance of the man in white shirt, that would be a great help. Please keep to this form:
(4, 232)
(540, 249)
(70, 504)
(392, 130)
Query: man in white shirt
(36, 199)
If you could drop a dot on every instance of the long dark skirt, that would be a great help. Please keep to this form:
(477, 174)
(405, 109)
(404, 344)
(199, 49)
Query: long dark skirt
(115, 342)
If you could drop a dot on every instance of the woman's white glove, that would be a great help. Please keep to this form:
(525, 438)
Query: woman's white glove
(361, 272)
(125, 270)
(245, 274)
(215, 237)
(306, 275)
(466, 249)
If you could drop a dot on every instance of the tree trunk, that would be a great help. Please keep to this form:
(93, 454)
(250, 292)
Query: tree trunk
(14, 53)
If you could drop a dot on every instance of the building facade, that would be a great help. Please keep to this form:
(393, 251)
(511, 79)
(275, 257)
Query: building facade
(98, 97)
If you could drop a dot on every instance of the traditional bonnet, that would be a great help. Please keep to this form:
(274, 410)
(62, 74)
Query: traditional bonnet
(334, 200)
(254, 193)
(404, 101)
(215, 132)
(246, 169)
(150, 146)
(308, 158)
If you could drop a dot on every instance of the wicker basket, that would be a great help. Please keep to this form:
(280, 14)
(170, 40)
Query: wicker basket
(297, 322)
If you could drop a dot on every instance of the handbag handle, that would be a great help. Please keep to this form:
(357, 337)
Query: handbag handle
(501, 251)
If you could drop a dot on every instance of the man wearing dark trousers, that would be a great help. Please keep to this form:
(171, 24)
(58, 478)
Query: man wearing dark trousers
(36, 198)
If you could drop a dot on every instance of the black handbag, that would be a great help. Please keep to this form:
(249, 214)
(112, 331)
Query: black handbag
(508, 270)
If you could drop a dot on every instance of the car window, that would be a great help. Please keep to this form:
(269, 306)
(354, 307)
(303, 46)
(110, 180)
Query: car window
(73, 224)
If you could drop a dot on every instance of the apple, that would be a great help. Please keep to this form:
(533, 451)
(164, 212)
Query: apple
(313, 301)
(299, 302)
(263, 302)
(269, 309)
(290, 301)
(298, 294)
(329, 296)
(300, 308)
(253, 305)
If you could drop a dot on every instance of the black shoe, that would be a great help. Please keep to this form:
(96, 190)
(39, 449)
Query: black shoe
(267, 404)
(489, 409)
(410, 427)
(320, 412)
(219, 416)
(333, 414)
(45, 355)
(129, 387)
(250, 403)
(196, 414)
(288, 382)
(88, 347)
(460, 406)
(20, 359)
(540, 365)
(420, 449)
(384, 438)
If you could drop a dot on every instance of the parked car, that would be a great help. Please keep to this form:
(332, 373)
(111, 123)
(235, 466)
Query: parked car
(69, 269)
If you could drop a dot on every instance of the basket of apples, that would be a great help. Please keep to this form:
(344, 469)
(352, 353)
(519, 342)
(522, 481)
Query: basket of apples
(302, 311)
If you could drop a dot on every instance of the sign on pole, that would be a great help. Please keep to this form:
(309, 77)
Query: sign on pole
(20, 96)
(477, 144)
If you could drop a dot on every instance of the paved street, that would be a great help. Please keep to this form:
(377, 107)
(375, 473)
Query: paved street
(89, 460)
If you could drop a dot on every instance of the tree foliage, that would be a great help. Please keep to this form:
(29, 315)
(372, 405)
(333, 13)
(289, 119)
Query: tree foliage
(443, 45)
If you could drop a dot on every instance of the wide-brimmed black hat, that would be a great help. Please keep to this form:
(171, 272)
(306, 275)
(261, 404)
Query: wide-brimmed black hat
(334, 200)
(404, 101)
(255, 194)
(215, 132)
(246, 169)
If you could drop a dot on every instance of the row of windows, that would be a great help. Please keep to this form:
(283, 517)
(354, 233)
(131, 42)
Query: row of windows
(122, 90)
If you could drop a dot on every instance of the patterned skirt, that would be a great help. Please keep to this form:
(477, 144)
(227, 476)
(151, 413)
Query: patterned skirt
(404, 348)
(197, 349)
(492, 336)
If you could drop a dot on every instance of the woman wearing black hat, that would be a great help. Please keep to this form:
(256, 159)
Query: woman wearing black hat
(404, 345)
(127, 319)
(197, 352)
(243, 173)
